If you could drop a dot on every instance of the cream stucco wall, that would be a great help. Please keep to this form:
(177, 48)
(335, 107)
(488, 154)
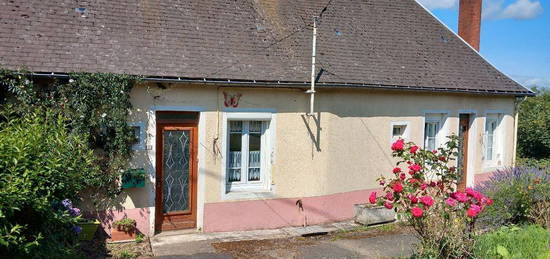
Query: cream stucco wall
(353, 135)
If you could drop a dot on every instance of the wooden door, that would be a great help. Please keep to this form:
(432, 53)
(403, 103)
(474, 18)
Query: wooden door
(463, 132)
(176, 176)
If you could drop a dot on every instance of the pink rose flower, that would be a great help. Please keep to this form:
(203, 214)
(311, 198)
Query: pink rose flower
(413, 149)
(460, 196)
(427, 200)
(397, 170)
(372, 198)
(388, 205)
(489, 202)
(423, 186)
(398, 145)
(412, 180)
(473, 211)
(402, 177)
(434, 151)
(397, 187)
(382, 182)
(417, 212)
(476, 195)
(413, 198)
(389, 196)
(415, 167)
(451, 202)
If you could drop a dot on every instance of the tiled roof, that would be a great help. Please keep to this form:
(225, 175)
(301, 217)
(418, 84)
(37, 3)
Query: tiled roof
(376, 42)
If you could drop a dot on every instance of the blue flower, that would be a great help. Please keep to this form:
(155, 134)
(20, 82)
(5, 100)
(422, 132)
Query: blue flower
(67, 203)
(74, 212)
(77, 229)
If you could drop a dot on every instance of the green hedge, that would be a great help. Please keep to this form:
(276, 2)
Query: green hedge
(41, 163)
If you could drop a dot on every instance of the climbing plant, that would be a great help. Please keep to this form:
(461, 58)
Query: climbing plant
(96, 105)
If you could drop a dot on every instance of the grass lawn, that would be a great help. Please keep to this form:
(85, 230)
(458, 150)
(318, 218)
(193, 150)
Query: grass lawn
(514, 242)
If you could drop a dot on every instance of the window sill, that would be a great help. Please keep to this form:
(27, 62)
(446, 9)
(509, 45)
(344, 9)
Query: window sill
(248, 194)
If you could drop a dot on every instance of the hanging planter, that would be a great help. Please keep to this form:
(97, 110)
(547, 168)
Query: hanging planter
(133, 178)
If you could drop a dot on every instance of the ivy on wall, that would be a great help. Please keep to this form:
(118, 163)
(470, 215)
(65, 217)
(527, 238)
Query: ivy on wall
(96, 105)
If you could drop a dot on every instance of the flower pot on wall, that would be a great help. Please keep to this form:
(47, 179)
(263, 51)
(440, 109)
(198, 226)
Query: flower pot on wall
(119, 234)
(88, 229)
(133, 178)
(367, 214)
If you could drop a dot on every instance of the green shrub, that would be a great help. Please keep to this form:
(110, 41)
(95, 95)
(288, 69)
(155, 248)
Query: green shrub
(521, 195)
(41, 164)
(534, 126)
(537, 163)
(514, 242)
(125, 224)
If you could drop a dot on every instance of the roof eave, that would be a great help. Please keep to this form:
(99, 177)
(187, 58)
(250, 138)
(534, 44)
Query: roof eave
(306, 84)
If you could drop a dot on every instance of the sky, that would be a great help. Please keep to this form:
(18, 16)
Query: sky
(515, 36)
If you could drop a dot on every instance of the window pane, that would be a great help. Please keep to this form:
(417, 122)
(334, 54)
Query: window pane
(430, 134)
(490, 128)
(254, 154)
(235, 144)
(398, 130)
(235, 126)
(255, 127)
(137, 135)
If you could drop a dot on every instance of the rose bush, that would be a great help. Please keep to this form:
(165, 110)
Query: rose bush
(427, 198)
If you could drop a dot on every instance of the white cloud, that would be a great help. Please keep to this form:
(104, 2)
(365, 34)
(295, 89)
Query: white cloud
(533, 81)
(520, 9)
(439, 4)
(495, 9)
(523, 9)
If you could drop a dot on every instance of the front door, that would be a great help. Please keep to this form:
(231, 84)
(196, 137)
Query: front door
(463, 130)
(176, 176)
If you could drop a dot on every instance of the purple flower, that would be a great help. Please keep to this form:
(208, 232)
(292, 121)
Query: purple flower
(74, 212)
(67, 203)
(77, 229)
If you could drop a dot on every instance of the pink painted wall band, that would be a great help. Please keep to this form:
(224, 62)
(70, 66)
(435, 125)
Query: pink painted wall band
(277, 213)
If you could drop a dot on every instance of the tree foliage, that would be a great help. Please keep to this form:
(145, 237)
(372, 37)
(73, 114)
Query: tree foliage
(95, 105)
(534, 126)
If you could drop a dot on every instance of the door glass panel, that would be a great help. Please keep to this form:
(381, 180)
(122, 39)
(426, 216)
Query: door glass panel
(235, 144)
(462, 130)
(254, 147)
(176, 158)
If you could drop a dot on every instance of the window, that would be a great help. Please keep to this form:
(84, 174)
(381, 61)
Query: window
(431, 129)
(247, 152)
(491, 138)
(138, 142)
(399, 129)
(434, 135)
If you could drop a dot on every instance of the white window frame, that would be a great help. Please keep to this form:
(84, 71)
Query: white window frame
(406, 133)
(141, 138)
(441, 118)
(498, 139)
(242, 189)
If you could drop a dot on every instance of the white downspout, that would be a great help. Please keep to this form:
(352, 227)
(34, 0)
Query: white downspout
(311, 91)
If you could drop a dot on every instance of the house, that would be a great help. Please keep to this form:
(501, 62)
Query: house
(223, 115)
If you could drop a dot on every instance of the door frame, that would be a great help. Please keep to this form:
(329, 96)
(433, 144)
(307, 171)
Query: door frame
(151, 154)
(159, 216)
(472, 144)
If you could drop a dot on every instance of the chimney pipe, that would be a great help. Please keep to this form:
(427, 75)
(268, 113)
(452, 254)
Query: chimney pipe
(469, 21)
